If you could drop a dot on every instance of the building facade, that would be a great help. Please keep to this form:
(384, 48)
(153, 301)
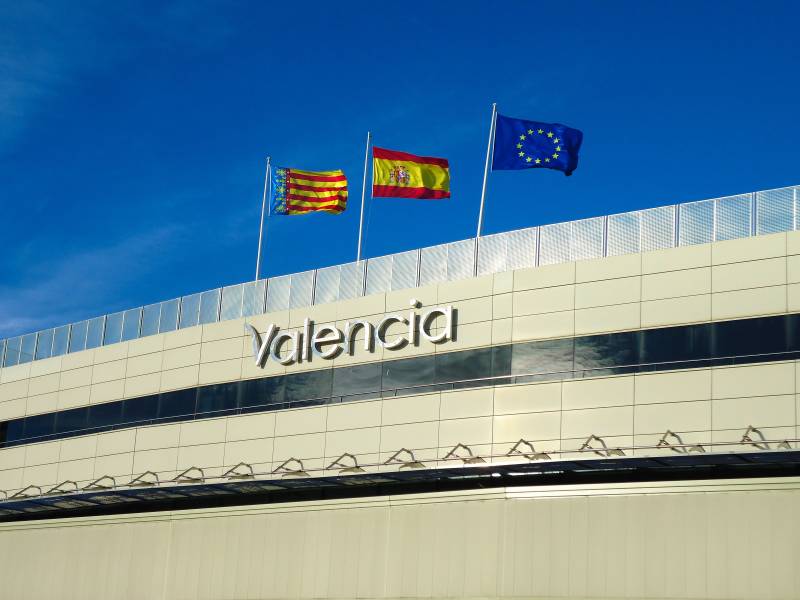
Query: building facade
(614, 427)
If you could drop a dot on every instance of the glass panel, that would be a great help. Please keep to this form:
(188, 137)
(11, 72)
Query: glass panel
(278, 293)
(169, 315)
(464, 366)
(549, 356)
(94, 332)
(675, 344)
(113, 332)
(140, 410)
(302, 289)
(408, 375)
(39, 426)
(261, 392)
(219, 399)
(28, 349)
(231, 303)
(60, 340)
(105, 416)
(172, 405)
(311, 385)
(151, 315)
(363, 381)
(2, 351)
(44, 345)
(379, 274)
(130, 324)
(190, 310)
(12, 431)
(253, 296)
(209, 307)
(74, 419)
(77, 337)
(754, 336)
(13, 347)
(609, 350)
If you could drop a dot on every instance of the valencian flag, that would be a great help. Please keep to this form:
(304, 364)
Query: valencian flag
(520, 144)
(402, 175)
(297, 192)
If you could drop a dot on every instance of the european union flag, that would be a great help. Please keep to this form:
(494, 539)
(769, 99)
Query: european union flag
(520, 144)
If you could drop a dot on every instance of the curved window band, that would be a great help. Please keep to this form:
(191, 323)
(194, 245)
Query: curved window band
(754, 340)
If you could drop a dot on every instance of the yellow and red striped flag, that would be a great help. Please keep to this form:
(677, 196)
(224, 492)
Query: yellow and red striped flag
(403, 175)
(296, 192)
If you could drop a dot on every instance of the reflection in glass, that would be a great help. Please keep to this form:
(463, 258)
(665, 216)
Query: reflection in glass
(190, 310)
(77, 339)
(261, 392)
(608, 350)
(130, 324)
(470, 365)
(309, 385)
(548, 356)
(28, 348)
(363, 381)
(407, 375)
(219, 399)
(13, 347)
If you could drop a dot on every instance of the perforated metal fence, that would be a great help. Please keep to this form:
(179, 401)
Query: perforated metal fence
(733, 217)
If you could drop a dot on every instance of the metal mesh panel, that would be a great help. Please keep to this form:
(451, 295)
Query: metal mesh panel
(190, 311)
(554, 246)
(460, 260)
(623, 233)
(696, 223)
(657, 227)
(492, 253)
(253, 297)
(60, 340)
(732, 218)
(209, 307)
(13, 346)
(775, 211)
(302, 290)
(433, 265)
(169, 315)
(404, 270)
(379, 274)
(278, 293)
(521, 249)
(77, 338)
(351, 280)
(587, 239)
(231, 307)
(327, 286)
(94, 332)
(44, 344)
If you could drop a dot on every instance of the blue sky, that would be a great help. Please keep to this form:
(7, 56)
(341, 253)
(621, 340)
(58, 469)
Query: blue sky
(133, 135)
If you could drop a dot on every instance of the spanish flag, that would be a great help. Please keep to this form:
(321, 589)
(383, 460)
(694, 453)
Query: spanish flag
(402, 175)
(297, 192)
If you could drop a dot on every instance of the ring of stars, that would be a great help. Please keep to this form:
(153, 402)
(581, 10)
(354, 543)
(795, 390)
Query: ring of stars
(531, 157)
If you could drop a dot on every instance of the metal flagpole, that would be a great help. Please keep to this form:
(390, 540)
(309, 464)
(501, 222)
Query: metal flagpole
(485, 179)
(363, 195)
(261, 225)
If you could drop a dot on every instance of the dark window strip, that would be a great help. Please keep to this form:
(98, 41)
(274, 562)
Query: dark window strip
(754, 340)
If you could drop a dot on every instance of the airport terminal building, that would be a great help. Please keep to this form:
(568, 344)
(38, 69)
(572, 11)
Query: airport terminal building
(604, 408)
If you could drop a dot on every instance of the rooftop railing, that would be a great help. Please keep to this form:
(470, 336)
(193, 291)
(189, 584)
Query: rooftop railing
(732, 217)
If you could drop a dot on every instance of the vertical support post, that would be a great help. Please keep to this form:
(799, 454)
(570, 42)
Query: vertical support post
(677, 227)
(794, 209)
(363, 196)
(261, 224)
(485, 179)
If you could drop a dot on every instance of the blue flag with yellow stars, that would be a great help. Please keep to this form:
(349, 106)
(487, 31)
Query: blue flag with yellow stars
(520, 144)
